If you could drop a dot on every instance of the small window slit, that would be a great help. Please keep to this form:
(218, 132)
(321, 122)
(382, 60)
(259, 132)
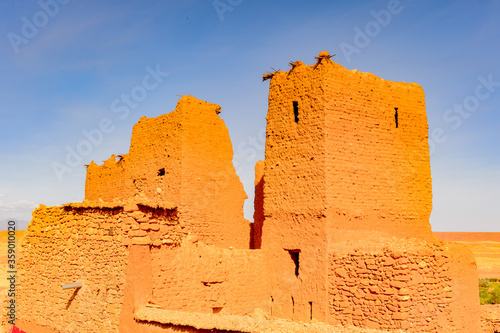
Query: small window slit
(296, 111)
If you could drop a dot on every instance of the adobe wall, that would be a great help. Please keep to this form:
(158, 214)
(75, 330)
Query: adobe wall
(191, 278)
(295, 202)
(126, 255)
(188, 275)
(66, 246)
(184, 157)
(402, 284)
(201, 278)
(90, 243)
(378, 171)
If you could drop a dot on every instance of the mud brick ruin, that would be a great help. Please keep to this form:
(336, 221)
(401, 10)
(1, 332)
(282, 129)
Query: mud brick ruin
(341, 232)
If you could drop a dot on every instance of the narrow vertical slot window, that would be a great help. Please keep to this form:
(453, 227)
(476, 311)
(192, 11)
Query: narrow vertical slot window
(296, 111)
(294, 254)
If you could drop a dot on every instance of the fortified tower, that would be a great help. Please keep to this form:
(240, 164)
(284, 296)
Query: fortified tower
(350, 149)
(346, 172)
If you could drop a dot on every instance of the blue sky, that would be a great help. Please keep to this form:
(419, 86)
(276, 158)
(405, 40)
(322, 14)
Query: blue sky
(67, 65)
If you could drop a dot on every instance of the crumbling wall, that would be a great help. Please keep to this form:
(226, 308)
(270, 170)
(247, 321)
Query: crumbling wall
(212, 196)
(63, 246)
(185, 157)
(152, 224)
(151, 170)
(90, 243)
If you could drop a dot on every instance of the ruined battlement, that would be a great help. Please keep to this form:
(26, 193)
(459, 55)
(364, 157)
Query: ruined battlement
(341, 234)
(184, 157)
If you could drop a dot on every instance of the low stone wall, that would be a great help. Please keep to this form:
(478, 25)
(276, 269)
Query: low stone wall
(405, 284)
(88, 243)
(65, 245)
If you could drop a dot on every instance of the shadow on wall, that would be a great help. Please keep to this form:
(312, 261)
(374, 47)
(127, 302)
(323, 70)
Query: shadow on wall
(154, 327)
(71, 299)
(258, 215)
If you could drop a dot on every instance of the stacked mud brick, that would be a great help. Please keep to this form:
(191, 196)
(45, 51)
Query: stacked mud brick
(341, 232)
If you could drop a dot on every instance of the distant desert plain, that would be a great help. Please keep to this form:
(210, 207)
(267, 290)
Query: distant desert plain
(484, 245)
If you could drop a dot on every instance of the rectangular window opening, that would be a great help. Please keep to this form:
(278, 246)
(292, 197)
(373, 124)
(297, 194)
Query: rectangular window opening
(216, 310)
(161, 172)
(296, 111)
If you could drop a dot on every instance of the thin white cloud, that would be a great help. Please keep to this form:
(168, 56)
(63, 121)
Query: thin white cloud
(15, 206)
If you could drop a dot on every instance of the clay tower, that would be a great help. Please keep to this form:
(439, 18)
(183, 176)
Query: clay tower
(346, 162)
